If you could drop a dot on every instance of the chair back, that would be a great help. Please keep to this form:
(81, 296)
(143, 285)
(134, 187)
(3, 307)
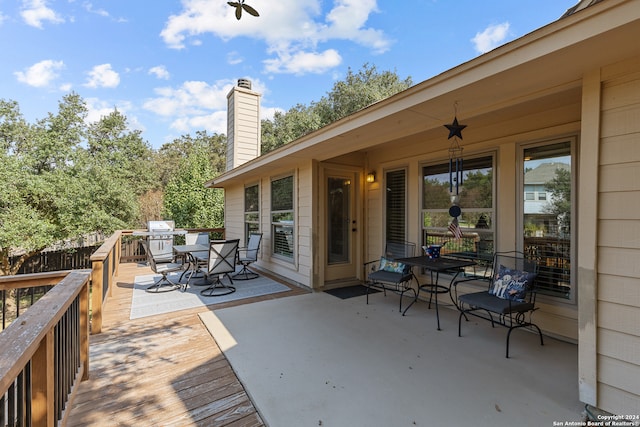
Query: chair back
(222, 256)
(519, 268)
(395, 250)
(253, 246)
(514, 260)
(197, 239)
(150, 259)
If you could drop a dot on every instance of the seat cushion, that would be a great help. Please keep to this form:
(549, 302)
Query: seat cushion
(511, 284)
(492, 303)
(168, 267)
(388, 276)
(393, 266)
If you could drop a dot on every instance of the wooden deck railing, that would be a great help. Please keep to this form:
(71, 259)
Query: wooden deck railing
(104, 265)
(45, 353)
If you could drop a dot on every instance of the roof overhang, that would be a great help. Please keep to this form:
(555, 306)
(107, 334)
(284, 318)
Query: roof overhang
(542, 65)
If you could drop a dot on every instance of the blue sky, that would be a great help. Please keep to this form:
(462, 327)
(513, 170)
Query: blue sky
(169, 64)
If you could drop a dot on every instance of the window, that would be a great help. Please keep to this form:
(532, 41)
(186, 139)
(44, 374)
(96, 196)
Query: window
(396, 206)
(476, 202)
(251, 210)
(546, 220)
(282, 217)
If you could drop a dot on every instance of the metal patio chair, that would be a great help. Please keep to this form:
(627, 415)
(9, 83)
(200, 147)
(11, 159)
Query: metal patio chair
(387, 274)
(509, 298)
(164, 284)
(221, 262)
(248, 255)
(196, 261)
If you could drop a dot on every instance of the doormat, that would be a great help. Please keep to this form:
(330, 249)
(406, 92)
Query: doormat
(350, 291)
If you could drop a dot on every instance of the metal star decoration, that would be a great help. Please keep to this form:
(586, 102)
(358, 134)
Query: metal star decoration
(239, 5)
(455, 129)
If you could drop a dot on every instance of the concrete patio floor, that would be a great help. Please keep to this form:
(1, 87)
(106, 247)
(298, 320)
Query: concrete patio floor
(314, 359)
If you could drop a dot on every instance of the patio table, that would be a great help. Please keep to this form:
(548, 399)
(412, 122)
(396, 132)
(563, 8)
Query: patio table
(435, 266)
(188, 252)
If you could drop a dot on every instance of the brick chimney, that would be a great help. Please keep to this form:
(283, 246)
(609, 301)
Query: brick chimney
(243, 124)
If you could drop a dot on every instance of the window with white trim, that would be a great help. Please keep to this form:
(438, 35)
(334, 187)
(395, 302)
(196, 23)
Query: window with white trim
(546, 221)
(251, 210)
(396, 205)
(477, 220)
(282, 217)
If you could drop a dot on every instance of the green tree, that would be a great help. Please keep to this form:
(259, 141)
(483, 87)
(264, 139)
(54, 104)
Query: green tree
(186, 200)
(477, 190)
(286, 127)
(171, 154)
(560, 201)
(355, 92)
(65, 179)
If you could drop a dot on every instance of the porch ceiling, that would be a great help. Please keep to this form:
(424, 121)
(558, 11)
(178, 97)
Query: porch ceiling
(534, 73)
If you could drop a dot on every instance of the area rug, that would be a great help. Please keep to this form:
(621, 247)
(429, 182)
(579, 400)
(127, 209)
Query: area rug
(350, 291)
(145, 304)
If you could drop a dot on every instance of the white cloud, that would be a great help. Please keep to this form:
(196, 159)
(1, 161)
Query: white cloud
(160, 71)
(103, 76)
(215, 122)
(303, 62)
(35, 12)
(291, 29)
(97, 108)
(234, 58)
(193, 97)
(492, 37)
(269, 112)
(196, 104)
(40, 74)
(89, 8)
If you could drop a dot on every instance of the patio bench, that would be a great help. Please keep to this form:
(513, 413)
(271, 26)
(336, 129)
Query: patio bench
(510, 297)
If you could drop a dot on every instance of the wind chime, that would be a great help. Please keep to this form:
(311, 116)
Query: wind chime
(456, 170)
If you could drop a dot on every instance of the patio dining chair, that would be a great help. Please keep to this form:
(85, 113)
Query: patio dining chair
(196, 261)
(248, 255)
(164, 283)
(221, 262)
(388, 274)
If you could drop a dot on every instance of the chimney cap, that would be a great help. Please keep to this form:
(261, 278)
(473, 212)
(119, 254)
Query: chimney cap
(244, 83)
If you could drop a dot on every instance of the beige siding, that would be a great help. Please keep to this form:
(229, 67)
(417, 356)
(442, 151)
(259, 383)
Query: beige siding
(231, 126)
(300, 270)
(243, 127)
(234, 213)
(304, 224)
(373, 219)
(619, 242)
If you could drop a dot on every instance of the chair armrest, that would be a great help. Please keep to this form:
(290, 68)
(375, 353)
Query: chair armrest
(474, 280)
(371, 266)
(480, 281)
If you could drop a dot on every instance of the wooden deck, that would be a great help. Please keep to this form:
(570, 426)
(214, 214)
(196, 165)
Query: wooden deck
(163, 370)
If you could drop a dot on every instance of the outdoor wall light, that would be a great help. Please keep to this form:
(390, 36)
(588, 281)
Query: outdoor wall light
(371, 177)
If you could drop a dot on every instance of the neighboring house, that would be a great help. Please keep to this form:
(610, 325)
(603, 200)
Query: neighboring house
(570, 90)
(537, 196)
